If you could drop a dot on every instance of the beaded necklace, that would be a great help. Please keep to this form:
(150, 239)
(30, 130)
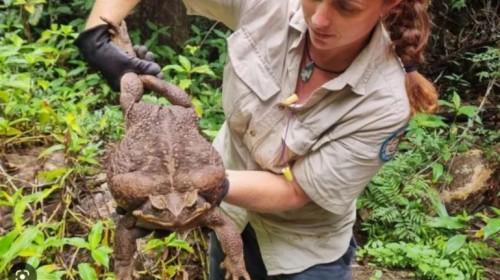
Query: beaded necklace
(308, 70)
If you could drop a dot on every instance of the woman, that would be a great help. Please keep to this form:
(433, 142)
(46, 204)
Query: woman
(316, 94)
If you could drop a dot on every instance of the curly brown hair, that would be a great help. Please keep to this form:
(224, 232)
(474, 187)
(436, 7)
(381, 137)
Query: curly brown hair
(409, 27)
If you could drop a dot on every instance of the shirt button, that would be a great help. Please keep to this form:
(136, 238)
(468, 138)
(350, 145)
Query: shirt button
(252, 133)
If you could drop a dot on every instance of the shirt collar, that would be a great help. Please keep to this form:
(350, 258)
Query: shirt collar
(362, 67)
(297, 20)
(360, 70)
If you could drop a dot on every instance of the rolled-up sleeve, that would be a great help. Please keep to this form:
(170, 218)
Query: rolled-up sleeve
(229, 12)
(337, 172)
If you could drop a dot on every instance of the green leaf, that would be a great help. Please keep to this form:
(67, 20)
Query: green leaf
(86, 272)
(77, 242)
(456, 100)
(53, 242)
(437, 172)
(38, 196)
(33, 261)
(203, 69)
(23, 83)
(36, 15)
(181, 244)
(198, 106)
(185, 63)
(6, 241)
(71, 121)
(18, 213)
(51, 175)
(47, 272)
(51, 150)
(445, 103)
(154, 243)
(23, 241)
(492, 227)
(176, 68)
(170, 237)
(185, 83)
(446, 154)
(469, 111)
(4, 96)
(446, 222)
(426, 120)
(455, 243)
(192, 49)
(440, 208)
(95, 235)
(101, 256)
(66, 29)
(32, 251)
(210, 133)
(89, 160)
(10, 131)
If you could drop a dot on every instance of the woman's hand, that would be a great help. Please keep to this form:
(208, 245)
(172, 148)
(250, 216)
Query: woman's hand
(102, 54)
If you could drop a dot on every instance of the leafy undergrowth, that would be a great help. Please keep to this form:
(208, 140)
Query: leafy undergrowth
(57, 116)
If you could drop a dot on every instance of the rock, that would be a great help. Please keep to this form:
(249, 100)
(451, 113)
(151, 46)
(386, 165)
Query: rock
(473, 177)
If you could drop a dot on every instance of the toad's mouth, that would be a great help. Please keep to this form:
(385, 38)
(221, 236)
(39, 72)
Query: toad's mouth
(150, 217)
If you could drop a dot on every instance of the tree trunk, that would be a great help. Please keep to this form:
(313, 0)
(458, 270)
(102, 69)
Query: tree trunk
(162, 13)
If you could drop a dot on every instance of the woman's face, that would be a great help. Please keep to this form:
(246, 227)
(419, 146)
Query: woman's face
(343, 23)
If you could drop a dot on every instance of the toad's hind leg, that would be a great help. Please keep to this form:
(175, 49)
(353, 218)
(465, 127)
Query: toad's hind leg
(231, 243)
(125, 246)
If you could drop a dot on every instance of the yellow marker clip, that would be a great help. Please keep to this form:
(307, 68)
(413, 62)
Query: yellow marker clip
(287, 173)
(290, 100)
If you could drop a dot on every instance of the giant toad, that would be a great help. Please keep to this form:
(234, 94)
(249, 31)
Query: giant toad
(164, 175)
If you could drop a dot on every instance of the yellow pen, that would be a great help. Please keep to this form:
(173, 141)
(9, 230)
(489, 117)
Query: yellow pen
(287, 173)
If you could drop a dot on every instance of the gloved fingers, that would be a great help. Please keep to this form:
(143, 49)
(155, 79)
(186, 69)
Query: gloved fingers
(150, 56)
(142, 52)
(141, 66)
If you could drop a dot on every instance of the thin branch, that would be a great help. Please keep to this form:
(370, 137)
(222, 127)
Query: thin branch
(491, 84)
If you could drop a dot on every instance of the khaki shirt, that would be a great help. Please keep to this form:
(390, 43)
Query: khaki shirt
(336, 140)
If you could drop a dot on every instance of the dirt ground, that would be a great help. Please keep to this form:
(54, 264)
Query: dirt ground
(361, 272)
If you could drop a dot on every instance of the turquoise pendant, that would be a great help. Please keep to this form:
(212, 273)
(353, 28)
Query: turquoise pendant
(307, 71)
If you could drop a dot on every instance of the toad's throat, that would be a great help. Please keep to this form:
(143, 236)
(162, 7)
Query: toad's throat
(167, 220)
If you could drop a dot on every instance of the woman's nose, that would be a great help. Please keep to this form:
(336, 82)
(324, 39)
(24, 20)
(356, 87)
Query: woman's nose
(321, 18)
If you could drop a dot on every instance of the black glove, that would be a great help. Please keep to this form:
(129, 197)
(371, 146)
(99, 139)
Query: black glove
(226, 189)
(101, 53)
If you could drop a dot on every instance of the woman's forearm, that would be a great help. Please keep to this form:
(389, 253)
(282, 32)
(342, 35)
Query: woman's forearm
(263, 191)
(113, 10)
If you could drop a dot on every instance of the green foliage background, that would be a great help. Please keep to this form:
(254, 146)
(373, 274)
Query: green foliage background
(50, 100)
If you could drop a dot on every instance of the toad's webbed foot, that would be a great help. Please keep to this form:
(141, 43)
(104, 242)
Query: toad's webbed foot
(231, 243)
(234, 271)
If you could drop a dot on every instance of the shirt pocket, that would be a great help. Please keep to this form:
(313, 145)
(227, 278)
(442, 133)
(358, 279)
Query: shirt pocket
(249, 82)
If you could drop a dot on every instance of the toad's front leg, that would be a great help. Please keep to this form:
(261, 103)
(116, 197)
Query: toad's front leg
(131, 91)
(125, 246)
(231, 243)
